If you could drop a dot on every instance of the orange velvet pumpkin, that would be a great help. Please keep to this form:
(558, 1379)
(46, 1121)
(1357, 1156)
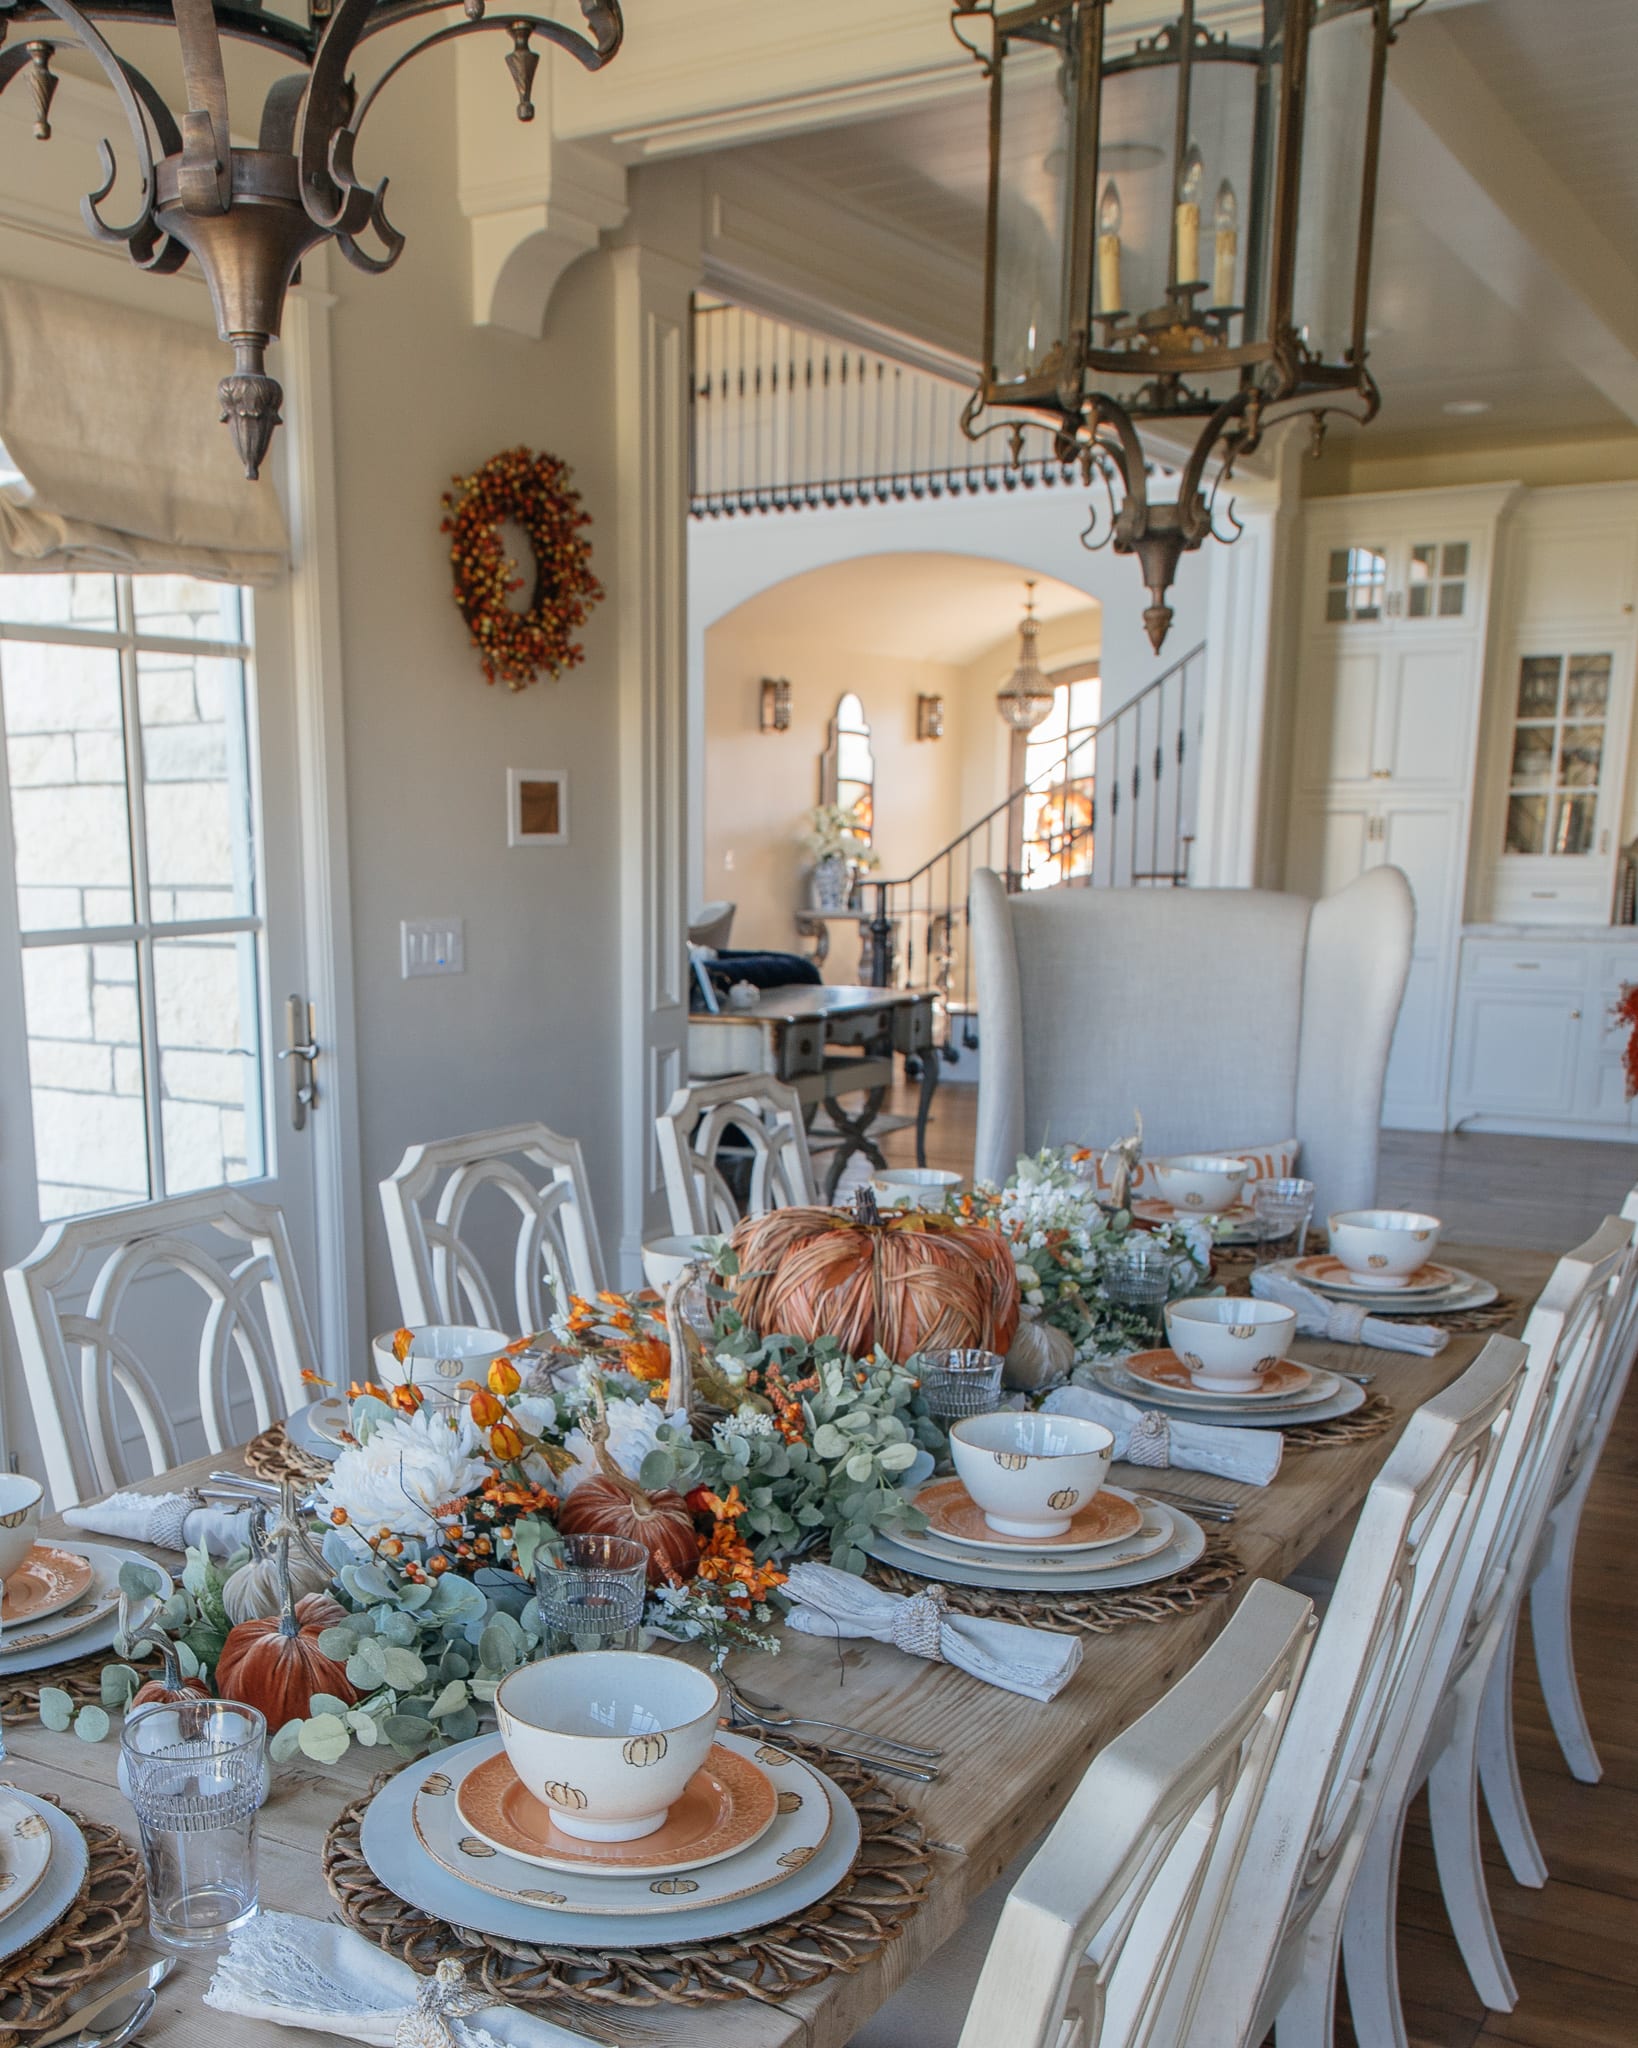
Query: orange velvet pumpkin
(899, 1281)
(169, 1686)
(276, 1664)
(610, 1504)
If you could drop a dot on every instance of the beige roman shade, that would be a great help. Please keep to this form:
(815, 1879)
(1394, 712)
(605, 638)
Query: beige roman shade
(111, 455)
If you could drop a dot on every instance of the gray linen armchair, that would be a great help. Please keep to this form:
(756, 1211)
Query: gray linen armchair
(1228, 1016)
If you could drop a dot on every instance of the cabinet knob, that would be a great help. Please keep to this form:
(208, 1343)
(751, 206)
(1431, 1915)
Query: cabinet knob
(1382, 775)
(1575, 1016)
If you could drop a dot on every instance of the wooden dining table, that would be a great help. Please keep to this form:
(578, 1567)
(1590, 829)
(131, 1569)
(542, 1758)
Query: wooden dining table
(1010, 1763)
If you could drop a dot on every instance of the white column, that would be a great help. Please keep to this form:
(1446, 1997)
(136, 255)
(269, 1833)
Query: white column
(652, 288)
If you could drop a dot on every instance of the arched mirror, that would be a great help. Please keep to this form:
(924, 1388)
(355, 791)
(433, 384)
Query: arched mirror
(847, 767)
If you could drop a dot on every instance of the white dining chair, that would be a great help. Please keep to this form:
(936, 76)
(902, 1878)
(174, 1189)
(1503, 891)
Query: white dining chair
(97, 1334)
(758, 1121)
(1104, 1938)
(438, 1247)
(1341, 1754)
(1228, 1017)
(1552, 1572)
(1463, 1723)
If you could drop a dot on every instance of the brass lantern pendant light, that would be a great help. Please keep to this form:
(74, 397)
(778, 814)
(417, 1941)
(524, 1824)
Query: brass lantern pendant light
(1179, 232)
(251, 215)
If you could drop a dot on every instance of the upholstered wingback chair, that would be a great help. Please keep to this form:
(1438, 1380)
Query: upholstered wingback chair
(1230, 1017)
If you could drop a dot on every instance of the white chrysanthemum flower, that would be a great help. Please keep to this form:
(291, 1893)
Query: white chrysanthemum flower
(407, 1468)
(634, 1431)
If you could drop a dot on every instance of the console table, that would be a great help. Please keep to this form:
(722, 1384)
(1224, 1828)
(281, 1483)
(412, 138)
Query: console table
(825, 1042)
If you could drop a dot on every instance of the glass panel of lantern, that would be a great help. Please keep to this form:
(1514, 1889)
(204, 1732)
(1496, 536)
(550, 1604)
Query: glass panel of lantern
(1035, 85)
(1183, 204)
(1341, 54)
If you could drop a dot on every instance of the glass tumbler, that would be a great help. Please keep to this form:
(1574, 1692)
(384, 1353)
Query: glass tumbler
(591, 1598)
(956, 1383)
(196, 1772)
(1138, 1277)
(1281, 1213)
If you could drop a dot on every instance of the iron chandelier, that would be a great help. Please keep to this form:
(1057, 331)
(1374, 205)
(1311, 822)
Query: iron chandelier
(251, 215)
(1179, 231)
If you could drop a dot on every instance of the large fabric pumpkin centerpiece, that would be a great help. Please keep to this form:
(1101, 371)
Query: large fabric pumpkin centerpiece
(900, 1282)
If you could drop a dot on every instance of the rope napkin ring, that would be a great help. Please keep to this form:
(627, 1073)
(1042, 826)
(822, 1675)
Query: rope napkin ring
(918, 1626)
(1151, 1440)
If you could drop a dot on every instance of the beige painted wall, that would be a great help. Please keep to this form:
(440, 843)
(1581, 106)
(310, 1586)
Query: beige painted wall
(1355, 462)
(759, 785)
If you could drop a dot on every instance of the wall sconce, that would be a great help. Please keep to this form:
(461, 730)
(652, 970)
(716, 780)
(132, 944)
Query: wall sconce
(929, 717)
(776, 704)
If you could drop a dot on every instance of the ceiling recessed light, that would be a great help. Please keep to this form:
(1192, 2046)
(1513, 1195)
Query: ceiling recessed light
(1466, 408)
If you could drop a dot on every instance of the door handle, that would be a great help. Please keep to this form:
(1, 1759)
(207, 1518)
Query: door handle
(299, 1055)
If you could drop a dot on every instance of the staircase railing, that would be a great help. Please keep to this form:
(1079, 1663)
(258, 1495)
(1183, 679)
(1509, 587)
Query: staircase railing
(785, 419)
(1115, 809)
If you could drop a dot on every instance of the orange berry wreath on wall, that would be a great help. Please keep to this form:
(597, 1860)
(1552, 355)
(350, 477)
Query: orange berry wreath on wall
(533, 492)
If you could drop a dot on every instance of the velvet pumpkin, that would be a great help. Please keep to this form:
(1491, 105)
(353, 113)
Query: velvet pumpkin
(610, 1504)
(274, 1663)
(901, 1282)
(170, 1686)
(256, 1589)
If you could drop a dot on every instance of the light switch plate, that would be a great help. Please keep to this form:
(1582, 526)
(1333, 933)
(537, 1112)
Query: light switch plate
(433, 945)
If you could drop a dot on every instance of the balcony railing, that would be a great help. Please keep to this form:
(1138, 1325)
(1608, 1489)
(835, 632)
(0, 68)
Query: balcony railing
(786, 419)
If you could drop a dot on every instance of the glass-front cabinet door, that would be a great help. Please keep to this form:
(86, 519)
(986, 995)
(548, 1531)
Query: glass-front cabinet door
(1436, 579)
(1564, 767)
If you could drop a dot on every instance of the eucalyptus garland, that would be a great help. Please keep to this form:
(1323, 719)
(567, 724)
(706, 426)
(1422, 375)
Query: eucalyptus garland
(533, 492)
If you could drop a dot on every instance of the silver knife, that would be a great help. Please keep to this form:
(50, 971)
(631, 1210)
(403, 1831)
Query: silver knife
(131, 1987)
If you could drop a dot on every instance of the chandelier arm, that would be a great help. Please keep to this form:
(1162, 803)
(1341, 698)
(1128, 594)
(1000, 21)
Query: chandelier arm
(602, 16)
(205, 175)
(119, 76)
(1117, 438)
(550, 31)
(243, 23)
(975, 10)
(341, 160)
(1188, 492)
(326, 110)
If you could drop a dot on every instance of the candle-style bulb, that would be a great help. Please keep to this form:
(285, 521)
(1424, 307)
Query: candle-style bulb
(1109, 249)
(1226, 248)
(1191, 183)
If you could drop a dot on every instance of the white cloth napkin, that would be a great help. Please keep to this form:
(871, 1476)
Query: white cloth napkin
(833, 1603)
(1345, 1322)
(169, 1521)
(1145, 1436)
(312, 1973)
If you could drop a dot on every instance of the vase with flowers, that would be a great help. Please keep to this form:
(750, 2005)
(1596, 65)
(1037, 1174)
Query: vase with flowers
(840, 851)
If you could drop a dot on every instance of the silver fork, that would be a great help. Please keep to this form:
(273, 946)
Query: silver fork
(772, 1715)
(1207, 1510)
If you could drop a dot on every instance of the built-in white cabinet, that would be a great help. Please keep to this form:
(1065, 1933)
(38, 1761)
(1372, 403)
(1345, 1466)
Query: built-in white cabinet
(1555, 758)
(1392, 655)
(1535, 1049)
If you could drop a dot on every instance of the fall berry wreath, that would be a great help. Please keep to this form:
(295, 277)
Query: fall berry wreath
(532, 491)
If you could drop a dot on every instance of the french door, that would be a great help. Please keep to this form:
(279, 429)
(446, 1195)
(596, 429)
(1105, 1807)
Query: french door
(150, 918)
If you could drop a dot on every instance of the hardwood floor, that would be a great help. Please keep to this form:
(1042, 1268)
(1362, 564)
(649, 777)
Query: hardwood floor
(1573, 1946)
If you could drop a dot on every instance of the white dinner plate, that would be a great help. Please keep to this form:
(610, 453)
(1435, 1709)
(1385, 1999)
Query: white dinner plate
(1349, 1395)
(25, 1852)
(798, 1833)
(1467, 1290)
(1001, 1575)
(77, 1631)
(389, 1846)
(58, 1889)
(1153, 1533)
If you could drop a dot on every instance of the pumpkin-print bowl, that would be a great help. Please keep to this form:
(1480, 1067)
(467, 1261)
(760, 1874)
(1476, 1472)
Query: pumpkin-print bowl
(1030, 1473)
(440, 1356)
(607, 1739)
(20, 1499)
(1228, 1345)
(1384, 1245)
(1200, 1183)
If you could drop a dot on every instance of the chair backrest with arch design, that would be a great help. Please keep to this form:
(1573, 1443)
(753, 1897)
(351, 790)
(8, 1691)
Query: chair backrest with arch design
(437, 1261)
(1352, 1720)
(747, 1129)
(78, 1303)
(1105, 1939)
